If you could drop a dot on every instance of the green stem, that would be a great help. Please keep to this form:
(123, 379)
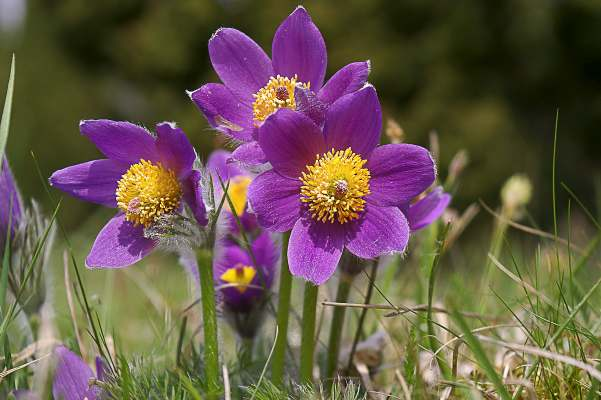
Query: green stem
(308, 333)
(344, 287)
(279, 352)
(209, 316)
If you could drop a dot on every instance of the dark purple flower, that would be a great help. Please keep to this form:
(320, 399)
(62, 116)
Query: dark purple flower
(11, 205)
(254, 86)
(336, 187)
(221, 166)
(427, 209)
(144, 177)
(240, 281)
(72, 377)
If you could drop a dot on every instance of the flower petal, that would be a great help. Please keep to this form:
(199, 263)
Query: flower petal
(94, 181)
(120, 141)
(249, 154)
(290, 141)
(266, 253)
(347, 80)
(193, 197)
(315, 249)
(240, 63)
(11, 205)
(219, 163)
(354, 121)
(380, 230)
(174, 148)
(224, 111)
(299, 49)
(399, 172)
(276, 200)
(72, 376)
(119, 244)
(427, 210)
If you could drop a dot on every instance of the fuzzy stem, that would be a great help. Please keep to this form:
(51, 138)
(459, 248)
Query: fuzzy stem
(279, 352)
(308, 333)
(336, 328)
(209, 316)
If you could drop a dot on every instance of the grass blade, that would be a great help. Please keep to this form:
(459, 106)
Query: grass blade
(8, 103)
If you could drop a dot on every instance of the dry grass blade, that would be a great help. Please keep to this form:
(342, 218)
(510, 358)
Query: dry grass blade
(7, 372)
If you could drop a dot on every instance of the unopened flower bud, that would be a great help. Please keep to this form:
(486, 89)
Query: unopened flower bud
(516, 193)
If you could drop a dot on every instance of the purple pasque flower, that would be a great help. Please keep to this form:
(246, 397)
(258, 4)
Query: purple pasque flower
(254, 87)
(11, 205)
(72, 377)
(336, 188)
(221, 167)
(144, 177)
(426, 209)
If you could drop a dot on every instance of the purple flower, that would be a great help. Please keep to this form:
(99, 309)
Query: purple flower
(144, 177)
(221, 166)
(254, 86)
(336, 187)
(11, 205)
(427, 209)
(242, 282)
(72, 377)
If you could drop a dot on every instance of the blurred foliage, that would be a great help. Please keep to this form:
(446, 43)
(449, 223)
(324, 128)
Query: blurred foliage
(487, 76)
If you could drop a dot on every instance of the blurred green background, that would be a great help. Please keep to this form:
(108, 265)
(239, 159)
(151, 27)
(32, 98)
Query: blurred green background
(487, 76)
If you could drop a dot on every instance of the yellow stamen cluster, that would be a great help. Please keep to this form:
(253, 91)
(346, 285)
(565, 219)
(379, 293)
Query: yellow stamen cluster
(147, 191)
(278, 93)
(240, 275)
(334, 187)
(237, 191)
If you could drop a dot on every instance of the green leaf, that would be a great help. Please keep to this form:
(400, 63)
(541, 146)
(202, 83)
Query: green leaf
(8, 102)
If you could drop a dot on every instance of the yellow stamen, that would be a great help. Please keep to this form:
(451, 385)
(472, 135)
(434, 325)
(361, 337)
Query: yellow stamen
(278, 93)
(334, 187)
(237, 193)
(147, 191)
(240, 275)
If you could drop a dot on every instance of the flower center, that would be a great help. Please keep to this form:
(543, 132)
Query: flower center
(240, 275)
(278, 93)
(334, 187)
(147, 191)
(237, 191)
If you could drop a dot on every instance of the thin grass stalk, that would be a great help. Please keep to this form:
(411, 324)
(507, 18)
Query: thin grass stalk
(308, 333)
(283, 312)
(336, 328)
(209, 317)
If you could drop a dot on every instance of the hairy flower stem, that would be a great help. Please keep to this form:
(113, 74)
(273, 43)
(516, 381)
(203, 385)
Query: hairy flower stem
(209, 316)
(336, 328)
(370, 289)
(308, 333)
(279, 352)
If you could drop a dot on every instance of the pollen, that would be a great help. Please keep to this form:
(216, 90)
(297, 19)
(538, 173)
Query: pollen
(237, 192)
(240, 275)
(335, 186)
(278, 93)
(146, 191)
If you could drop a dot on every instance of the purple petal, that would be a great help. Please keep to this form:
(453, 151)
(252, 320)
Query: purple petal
(101, 368)
(248, 221)
(354, 121)
(219, 163)
(427, 210)
(11, 205)
(174, 148)
(24, 394)
(72, 377)
(299, 49)
(379, 231)
(399, 172)
(267, 254)
(224, 111)
(240, 63)
(227, 257)
(315, 249)
(119, 244)
(290, 141)
(193, 197)
(276, 200)
(94, 181)
(249, 154)
(309, 104)
(347, 80)
(120, 141)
